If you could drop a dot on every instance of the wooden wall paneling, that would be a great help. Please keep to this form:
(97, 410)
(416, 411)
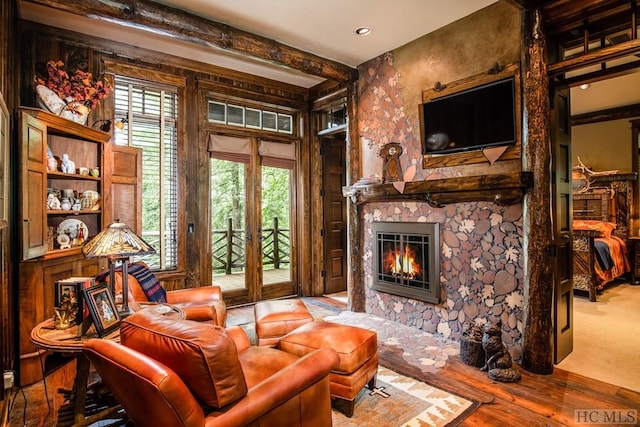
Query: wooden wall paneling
(301, 266)
(248, 88)
(198, 202)
(190, 189)
(9, 84)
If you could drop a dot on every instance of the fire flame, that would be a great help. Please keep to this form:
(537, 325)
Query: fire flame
(403, 263)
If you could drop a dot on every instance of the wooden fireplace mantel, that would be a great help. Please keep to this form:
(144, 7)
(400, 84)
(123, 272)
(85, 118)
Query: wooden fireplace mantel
(502, 189)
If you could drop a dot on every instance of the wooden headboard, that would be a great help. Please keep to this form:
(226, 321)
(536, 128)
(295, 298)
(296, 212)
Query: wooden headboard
(608, 198)
(595, 204)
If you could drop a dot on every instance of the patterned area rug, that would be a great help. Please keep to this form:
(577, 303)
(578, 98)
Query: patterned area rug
(402, 401)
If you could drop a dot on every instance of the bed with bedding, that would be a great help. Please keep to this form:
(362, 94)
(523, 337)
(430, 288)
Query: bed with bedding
(599, 253)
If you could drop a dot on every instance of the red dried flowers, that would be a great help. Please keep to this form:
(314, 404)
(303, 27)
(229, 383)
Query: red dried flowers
(79, 86)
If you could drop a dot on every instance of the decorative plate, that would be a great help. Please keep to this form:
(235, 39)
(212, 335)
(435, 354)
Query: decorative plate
(71, 226)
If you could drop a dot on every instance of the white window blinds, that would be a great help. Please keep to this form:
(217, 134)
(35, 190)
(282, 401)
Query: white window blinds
(151, 112)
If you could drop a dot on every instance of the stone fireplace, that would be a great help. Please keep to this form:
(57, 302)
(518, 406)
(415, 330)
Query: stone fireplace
(406, 259)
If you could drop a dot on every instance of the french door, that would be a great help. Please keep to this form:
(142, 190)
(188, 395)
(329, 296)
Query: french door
(252, 225)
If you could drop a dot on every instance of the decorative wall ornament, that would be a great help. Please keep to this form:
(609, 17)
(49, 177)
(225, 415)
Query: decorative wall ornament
(496, 69)
(439, 87)
(493, 153)
(391, 168)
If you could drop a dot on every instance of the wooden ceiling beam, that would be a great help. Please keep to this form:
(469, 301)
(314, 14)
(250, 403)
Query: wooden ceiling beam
(608, 53)
(153, 17)
(563, 15)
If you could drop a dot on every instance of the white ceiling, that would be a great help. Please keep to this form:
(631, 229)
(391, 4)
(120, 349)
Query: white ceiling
(325, 28)
(605, 94)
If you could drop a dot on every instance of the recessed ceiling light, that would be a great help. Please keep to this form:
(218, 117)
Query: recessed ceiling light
(362, 31)
(584, 86)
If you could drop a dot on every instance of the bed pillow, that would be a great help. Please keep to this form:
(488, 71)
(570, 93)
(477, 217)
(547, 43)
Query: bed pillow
(602, 228)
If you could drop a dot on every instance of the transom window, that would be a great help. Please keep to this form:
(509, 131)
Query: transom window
(238, 115)
(150, 112)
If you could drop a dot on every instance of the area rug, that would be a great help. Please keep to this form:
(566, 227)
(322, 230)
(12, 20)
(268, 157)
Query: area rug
(426, 351)
(402, 401)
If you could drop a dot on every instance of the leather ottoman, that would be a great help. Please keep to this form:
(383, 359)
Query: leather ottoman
(357, 350)
(274, 319)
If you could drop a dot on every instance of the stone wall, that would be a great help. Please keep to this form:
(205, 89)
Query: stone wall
(482, 256)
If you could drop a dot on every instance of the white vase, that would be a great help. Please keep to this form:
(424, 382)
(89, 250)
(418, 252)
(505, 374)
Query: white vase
(70, 113)
(50, 101)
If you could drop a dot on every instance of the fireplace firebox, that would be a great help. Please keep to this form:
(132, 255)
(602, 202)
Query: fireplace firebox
(406, 259)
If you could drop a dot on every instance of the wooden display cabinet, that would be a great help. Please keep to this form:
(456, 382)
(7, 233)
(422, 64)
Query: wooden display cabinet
(41, 226)
(43, 261)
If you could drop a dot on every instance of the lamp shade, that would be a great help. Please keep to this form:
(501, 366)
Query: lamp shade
(117, 240)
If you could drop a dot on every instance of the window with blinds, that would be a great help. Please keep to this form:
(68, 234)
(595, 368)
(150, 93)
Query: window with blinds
(150, 112)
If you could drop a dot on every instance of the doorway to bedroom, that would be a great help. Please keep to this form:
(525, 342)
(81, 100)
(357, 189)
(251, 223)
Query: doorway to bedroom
(606, 338)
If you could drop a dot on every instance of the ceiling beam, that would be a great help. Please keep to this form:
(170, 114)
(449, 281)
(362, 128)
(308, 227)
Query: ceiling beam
(159, 19)
(631, 47)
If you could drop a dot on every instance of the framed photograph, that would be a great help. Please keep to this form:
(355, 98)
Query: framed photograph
(72, 292)
(102, 308)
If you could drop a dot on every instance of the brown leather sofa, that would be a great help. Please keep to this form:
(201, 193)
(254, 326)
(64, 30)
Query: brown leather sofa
(204, 304)
(171, 373)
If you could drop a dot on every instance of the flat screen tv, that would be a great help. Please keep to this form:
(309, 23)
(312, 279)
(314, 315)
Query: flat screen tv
(473, 119)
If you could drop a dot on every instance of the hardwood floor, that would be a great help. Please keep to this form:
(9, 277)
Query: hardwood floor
(537, 400)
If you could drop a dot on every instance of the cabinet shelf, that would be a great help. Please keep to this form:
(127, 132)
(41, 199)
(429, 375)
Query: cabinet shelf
(76, 176)
(72, 212)
(60, 253)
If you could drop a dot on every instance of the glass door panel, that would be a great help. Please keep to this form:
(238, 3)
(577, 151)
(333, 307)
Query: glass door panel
(228, 223)
(251, 221)
(276, 225)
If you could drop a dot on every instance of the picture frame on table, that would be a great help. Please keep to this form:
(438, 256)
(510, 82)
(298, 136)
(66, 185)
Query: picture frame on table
(102, 308)
(70, 291)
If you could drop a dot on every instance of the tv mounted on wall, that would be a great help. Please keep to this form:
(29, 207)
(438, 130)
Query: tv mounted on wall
(480, 117)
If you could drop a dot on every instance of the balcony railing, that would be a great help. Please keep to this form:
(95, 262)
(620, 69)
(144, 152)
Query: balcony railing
(228, 255)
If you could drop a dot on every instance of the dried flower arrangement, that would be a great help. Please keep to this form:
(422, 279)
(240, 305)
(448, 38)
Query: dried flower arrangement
(80, 87)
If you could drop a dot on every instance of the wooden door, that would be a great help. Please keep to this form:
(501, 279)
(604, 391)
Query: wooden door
(33, 186)
(335, 216)
(562, 208)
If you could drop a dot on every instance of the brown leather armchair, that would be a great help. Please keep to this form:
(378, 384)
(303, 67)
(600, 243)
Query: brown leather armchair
(203, 304)
(172, 373)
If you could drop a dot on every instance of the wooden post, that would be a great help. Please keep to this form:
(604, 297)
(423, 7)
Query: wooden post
(276, 251)
(356, 300)
(537, 351)
(229, 245)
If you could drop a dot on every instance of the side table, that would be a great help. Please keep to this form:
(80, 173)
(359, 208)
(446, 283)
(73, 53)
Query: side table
(45, 336)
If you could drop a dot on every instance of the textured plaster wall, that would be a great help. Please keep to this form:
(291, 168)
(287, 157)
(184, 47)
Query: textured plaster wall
(603, 146)
(482, 253)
